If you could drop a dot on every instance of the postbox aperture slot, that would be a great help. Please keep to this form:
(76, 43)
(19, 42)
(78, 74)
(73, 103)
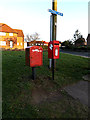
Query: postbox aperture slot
(56, 44)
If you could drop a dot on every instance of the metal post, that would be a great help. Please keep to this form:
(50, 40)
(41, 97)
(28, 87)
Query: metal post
(54, 25)
(50, 60)
(33, 73)
(52, 69)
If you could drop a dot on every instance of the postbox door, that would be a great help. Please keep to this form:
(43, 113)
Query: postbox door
(36, 56)
(56, 52)
(53, 50)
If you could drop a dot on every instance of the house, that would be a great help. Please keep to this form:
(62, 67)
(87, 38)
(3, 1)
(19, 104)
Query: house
(11, 38)
(37, 43)
(80, 42)
(88, 40)
(45, 43)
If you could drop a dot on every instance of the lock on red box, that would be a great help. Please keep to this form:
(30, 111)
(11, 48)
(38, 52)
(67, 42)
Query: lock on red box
(53, 49)
(34, 56)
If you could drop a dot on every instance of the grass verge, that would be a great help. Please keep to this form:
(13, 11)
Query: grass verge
(17, 86)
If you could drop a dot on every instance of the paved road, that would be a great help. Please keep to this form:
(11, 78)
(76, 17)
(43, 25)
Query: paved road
(82, 54)
(79, 91)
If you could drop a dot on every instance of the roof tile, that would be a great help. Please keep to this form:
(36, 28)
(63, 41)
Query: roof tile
(6, 28)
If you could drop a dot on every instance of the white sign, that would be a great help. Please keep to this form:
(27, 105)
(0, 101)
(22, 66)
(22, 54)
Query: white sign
(36, 50)
(56, 52)
(51, 46)
(55, 12)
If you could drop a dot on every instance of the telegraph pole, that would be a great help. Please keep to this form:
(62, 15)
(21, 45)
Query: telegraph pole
(54, 27)
(54, 19)
(53, 30)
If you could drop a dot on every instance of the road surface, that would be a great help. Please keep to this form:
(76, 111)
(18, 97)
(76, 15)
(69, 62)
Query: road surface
(82, 54)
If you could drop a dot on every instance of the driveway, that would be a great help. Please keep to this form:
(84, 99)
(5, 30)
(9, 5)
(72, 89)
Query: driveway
(82, 54)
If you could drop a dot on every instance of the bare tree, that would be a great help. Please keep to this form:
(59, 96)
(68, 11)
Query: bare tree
(32, 37)
(78, 38)
(77, 35)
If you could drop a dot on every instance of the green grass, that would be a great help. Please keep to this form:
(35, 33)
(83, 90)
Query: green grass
(17, 85)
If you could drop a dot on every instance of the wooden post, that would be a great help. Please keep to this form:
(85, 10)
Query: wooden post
(54, 26)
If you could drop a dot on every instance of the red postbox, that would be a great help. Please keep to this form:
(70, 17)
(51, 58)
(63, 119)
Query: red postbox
(34, 56)
(53, 49)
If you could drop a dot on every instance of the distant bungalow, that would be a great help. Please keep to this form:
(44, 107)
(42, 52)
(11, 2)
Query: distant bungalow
(88, 40)
(37, 43)
(11, 38)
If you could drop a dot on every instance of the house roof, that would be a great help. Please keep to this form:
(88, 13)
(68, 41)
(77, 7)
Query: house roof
(6, 28)
(35, 41)
(20, 33)
(46, 42)
(41, 42)
(88, 37)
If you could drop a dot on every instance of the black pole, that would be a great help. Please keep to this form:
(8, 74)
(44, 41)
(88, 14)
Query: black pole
(54, 26)
(52, 69)
(33, 73)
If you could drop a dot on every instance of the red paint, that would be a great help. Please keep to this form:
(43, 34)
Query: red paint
(53, 49)
(34, 56)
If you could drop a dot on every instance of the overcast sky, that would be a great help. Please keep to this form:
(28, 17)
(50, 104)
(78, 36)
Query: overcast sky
(32, 16)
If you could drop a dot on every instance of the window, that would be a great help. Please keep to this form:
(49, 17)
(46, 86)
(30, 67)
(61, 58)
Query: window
(3, 43)
(11, 44)
(2, 34)
(17, 43)
(10, 34)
